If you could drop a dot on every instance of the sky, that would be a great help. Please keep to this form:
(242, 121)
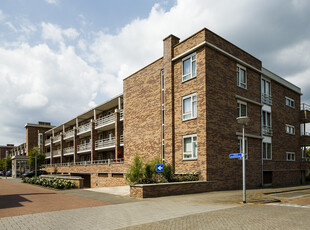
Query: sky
(59, 58)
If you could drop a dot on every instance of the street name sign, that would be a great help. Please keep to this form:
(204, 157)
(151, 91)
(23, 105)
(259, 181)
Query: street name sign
(235, 155)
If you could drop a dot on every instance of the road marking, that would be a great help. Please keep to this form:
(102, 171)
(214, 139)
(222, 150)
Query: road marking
(290, 205)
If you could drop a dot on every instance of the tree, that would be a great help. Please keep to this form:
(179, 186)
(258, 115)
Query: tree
(40, 158)
(8, 161)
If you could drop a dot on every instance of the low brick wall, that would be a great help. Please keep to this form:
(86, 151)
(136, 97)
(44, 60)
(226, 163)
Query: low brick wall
(169, 189)
(78, 181)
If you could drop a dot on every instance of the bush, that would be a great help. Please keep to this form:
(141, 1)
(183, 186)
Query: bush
(135, 173)
(168, 172)
(50, 182)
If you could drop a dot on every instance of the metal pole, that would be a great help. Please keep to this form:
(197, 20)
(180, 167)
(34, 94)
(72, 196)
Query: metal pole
(35, 162)
(6, 158)
(243, 164)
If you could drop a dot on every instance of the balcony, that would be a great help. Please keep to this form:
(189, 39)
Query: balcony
(68, 134)
(266, 99)
(56, 153)
(267, 130)
(84, 128)
(105, 143)
(105, 121)
(47, 154)
(121, 113)
(305, 139)
(96, 162)
(48, 141)
(122, 140)
(305, 113)
(84, 147)
(56, 138)
(68, 151)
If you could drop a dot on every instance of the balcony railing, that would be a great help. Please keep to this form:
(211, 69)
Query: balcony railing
(56, 153)
(48, 154)
(121, 113)
(68, 150)
(106, 120)
(84, 128)
(304, 106)
(68, 134)
(121, 139)
(267, 130)
(56, 138)
(108, 142)
(106, 161)
(48, 141)
(84, 147)
(266, 99)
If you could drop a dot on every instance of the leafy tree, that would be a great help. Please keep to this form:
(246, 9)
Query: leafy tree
(8, 161)
(135, 172)
(40, 158)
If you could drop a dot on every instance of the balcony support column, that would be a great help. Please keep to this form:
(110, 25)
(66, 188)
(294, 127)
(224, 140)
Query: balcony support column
(75, 142)
(51, 150)
(61, 148)
(118, 132)
(93, 138)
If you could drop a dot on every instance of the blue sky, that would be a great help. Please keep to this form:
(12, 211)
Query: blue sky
(58, 58)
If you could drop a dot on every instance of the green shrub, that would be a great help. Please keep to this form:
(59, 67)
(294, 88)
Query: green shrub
(135, 173)
(168, 172)
(50, 182)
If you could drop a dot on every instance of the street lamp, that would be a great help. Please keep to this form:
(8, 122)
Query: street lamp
(243, 121)
(35, 161)
(6, 159)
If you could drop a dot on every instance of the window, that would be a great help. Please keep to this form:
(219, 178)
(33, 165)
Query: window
(290, 129)
(266, 95)
(190, 147)
(267, 151)
(40, 139)
(241, 109)
(240, 147)
(266, 123)
(290, 102)
(189, 67)
(290, 156)
(189, 110)
(241, 77)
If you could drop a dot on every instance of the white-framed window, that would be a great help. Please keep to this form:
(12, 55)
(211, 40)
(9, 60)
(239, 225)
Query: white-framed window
(190, 147)
(240, 146)
(290, 102)
(189, 67)
(266, 123)
(40, 139)
(290, 156)
(290, 129)
(266, 94)
(241, 77)
(241, 109)
(189, 107)
(267, 151)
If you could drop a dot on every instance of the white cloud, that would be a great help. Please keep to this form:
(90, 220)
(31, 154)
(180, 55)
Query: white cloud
(32, 100)
(56, 34)
(52, 1)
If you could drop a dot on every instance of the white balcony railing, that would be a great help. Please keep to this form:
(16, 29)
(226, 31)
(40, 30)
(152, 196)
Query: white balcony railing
(304, 106)
(68, 134)
(121, 113)
(56, 138)
(48, 154)
(56, 153)
(68, 150)
(83, 147)
(106, 120)
(267, 130)
(122, 139)
(84, 128)
(108, 142)
(266, 99)
(48, 141)
(106, 161)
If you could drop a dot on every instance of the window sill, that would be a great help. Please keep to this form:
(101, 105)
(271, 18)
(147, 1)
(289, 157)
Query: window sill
(193, 118)
(188, 79)
(242, 87)
(190, 159)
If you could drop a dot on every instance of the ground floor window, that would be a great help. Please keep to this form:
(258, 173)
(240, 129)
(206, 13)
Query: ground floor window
(290, 156)
(190, 147)
(267, 151)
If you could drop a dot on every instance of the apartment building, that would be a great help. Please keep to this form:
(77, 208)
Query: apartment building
(4, 149)
(183, 108)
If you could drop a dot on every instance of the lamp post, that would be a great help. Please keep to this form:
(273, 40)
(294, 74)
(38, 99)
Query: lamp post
(35, 161)
(243, 121)
(6, 159)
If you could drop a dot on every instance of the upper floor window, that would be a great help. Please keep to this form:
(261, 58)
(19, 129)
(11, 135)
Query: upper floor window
(290, 102)
(241, 109)
(241, 77)
(266, 123)
(189, 67)
(190, 147)
(267, 151)
(290, 129)
(290, 156)
(189, 107)
(40, 139)
(266, 94)
(240, 146)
